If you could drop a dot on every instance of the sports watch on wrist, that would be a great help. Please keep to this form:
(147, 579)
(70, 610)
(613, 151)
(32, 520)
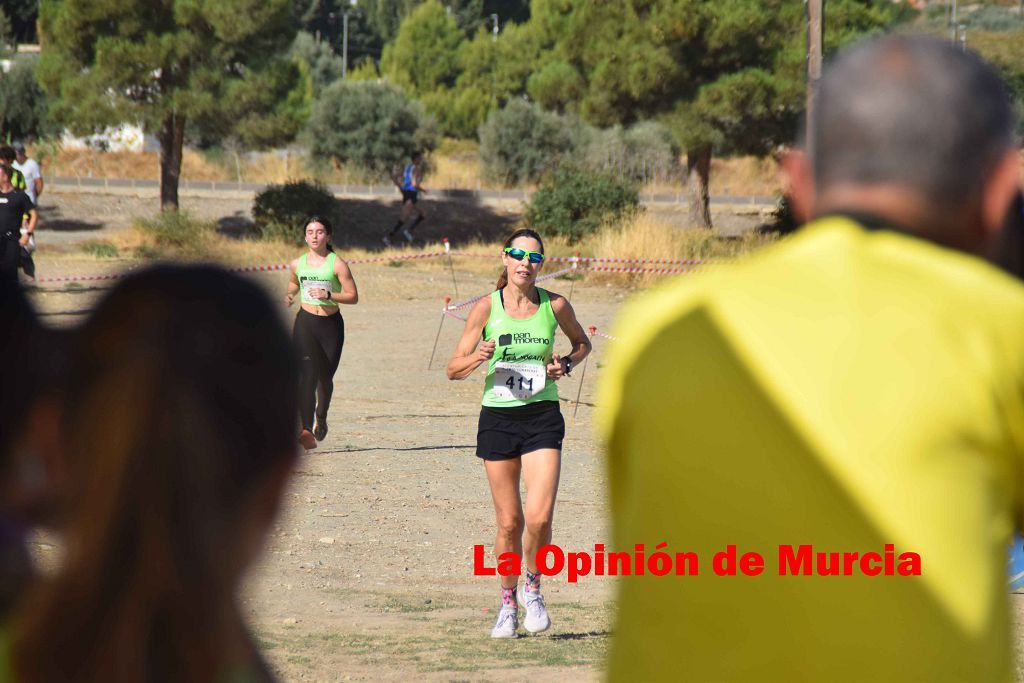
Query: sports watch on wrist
(566, 365)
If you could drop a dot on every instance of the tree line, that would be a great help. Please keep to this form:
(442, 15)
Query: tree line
(698, 77)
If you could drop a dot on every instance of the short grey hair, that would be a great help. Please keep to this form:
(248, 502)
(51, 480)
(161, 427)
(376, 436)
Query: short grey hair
(911, 111)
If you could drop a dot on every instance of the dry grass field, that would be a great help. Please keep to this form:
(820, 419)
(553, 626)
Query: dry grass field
(455, 165)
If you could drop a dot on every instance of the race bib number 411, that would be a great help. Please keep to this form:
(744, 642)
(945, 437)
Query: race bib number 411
(518, 380)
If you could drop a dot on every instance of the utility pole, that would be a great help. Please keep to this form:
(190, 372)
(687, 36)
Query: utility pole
(494, 33)
(344, 46)
(815, 26)
(344, 35)
(953, 24)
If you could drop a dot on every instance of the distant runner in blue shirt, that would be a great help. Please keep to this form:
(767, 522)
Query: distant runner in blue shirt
(409, 183)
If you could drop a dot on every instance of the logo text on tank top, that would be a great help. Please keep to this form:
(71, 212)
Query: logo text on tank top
(521, 338)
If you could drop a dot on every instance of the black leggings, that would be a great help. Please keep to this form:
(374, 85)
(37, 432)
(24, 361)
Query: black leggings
(10, 256)
(319, 339)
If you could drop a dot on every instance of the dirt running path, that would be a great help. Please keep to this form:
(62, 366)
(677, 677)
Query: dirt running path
(368, 575)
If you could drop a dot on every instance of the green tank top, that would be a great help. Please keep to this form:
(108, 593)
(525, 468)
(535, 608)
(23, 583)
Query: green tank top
(320, 277)
(516, 374)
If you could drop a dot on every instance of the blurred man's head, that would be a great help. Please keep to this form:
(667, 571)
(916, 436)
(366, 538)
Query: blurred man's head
(20, 154)
(917, 132)
(7, 154)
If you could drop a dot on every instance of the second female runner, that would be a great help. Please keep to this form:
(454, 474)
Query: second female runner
(521, 426)
(325, 281)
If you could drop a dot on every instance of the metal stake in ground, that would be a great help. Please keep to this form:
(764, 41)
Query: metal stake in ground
(572, 280)
(448, 251)
(591, 330)
(444, 314)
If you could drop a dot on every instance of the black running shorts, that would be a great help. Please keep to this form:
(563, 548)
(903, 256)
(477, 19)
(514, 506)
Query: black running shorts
(507, 433)
(410, 196)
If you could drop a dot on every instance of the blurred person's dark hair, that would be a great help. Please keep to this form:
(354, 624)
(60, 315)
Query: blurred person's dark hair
(179, 432)
(7, 153)
(916, 113)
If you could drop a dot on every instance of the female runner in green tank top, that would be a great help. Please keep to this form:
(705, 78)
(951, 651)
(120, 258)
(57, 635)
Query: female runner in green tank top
(323, 281)
(521, 427)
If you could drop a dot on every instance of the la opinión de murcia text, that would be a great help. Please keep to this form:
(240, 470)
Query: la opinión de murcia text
(791, 560)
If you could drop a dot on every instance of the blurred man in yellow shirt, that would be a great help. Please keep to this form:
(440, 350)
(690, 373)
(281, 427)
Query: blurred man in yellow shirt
(856, 388)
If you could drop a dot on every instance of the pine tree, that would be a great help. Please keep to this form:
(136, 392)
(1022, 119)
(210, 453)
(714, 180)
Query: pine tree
(221, 66)
(725, 75)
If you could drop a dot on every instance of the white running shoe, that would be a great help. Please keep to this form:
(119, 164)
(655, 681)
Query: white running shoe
(537, 619)
(507, 624)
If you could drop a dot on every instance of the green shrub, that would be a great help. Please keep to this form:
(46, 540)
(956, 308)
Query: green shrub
(24, 113)
(643, 152)
(178, 230)
(280, 211)
(465, 112)
(991, 18)
(146, 252)
(521, 142)
(574, 203)
(100, 249)
(372, 126)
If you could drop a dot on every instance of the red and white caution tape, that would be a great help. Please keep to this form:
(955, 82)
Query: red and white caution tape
(601, 259)
(409, 257)
(82, 278)
(613, 259)
(577, 263)
(592, 331)
(467, 302)
(261, 269)
(470, 302)
(250, 269)
(643, 271)
(555, 274)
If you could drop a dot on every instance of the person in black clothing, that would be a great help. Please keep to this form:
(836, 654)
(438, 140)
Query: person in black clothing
(14, 204)
(28, 438)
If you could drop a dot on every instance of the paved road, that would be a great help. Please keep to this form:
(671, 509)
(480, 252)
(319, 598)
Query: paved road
(206, 188)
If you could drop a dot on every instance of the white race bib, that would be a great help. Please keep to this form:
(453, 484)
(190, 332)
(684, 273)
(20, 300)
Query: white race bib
(310, 285)
(518, 380)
